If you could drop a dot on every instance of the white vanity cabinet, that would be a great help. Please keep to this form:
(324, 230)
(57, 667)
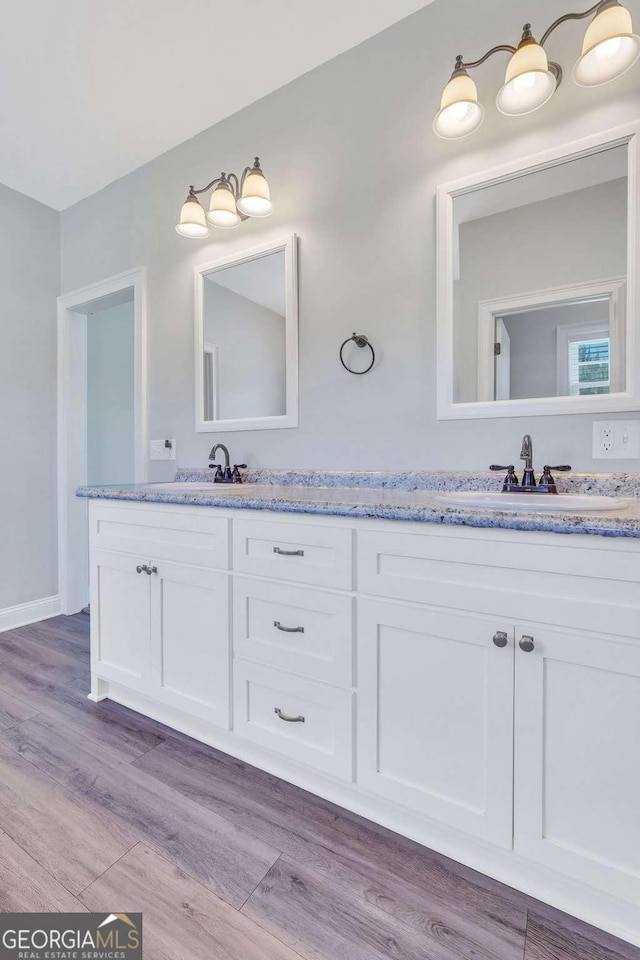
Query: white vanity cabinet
(120, 620)
(435, 715)
(475, 689)
(577, 757)
(159, 625)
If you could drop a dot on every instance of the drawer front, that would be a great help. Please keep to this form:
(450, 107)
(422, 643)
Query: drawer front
(568, 580)
(302, 720)
(317, 555)
(199, 539)
(304, 631)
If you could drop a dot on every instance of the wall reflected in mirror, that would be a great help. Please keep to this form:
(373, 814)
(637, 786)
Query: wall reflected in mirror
(539, 282)
(244, 343)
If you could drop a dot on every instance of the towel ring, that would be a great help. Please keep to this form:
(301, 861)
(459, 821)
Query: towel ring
(360, 341)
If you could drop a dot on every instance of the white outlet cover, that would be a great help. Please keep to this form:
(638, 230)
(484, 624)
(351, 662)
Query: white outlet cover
(162, 449)
(616, 439)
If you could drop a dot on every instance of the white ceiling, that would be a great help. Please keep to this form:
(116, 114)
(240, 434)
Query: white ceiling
(92, 89)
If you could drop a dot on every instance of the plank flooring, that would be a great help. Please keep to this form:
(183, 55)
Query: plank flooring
(103, 809)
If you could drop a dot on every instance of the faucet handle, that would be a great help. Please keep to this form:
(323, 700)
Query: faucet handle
(547, 480)
(511, 480)
(237, 467)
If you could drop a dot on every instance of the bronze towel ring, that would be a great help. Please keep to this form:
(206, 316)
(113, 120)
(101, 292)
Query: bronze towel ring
(360, 341)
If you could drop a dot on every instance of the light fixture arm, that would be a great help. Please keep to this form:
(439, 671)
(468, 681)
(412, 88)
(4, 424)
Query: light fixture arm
(601, 4)
(227, 178)
(527, 36)
(193, 191)
(462, 65)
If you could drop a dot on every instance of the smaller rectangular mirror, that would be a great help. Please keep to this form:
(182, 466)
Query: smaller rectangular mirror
(246, 334)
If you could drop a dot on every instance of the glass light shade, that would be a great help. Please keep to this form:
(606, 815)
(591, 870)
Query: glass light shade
(460, 113)
(222, 208)
(192, 222)
(610, 48)
(528, 84)
(255, 200)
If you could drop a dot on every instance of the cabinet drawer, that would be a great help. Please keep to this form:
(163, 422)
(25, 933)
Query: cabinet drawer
(571, 580)
(304, 553)
(299, 719)
(200, 539)
(304, 631)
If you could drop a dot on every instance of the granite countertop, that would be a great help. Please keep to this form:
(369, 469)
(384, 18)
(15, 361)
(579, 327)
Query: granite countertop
(389, 496)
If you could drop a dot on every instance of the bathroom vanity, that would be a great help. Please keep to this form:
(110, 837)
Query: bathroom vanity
(470, 685)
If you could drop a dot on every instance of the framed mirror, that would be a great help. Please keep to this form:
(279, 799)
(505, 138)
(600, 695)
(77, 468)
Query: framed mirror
(246, 340)
(537, 280)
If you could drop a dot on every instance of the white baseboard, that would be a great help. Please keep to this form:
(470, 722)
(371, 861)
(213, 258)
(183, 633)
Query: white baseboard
(24, 613)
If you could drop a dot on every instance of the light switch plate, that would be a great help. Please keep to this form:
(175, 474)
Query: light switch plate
(616, 439)
(162, 449)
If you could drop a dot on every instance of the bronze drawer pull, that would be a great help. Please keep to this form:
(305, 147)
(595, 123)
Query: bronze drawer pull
(279, 626)
(288, 553)
(278, 712)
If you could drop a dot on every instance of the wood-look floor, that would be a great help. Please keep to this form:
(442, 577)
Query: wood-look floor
(103, 809)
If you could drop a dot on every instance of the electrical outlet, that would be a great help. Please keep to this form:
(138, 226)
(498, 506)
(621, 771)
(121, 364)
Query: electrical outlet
(616, 439)
(162, 449)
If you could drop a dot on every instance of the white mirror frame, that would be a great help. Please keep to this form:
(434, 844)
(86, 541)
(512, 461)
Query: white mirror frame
(289, 246)
(627, 400)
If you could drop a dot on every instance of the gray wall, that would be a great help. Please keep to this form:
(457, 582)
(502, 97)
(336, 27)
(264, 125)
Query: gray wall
(110, 395)
(252, 358)
(353, 166)
(29, 278)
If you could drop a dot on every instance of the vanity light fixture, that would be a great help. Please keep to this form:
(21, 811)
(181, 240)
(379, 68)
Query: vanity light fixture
(610, 48)
(231, 201)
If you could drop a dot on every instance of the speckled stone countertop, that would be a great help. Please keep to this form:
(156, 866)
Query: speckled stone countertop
(389, 496)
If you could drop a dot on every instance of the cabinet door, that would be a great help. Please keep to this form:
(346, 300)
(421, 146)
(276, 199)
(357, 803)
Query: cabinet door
(191, 640)
(435, 721)
(120, 620)
(577, 757)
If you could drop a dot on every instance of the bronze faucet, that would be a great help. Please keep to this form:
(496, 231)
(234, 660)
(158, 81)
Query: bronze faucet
(226, 474)
(512, 484)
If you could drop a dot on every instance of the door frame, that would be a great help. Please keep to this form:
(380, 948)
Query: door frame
(73, 530)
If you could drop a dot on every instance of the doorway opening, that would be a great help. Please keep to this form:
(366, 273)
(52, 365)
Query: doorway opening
(102, 435)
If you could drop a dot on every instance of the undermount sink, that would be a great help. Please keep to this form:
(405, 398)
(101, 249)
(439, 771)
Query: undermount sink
(547, 502)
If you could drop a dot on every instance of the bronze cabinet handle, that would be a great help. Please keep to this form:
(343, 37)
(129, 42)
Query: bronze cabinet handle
(279, 626)
(526, 644)
(288, 553)
(283, 716)
(500, 638)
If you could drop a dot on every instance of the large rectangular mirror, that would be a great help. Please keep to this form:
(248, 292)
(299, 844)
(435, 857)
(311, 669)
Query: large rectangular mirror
(536, 277)
(247, 340)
